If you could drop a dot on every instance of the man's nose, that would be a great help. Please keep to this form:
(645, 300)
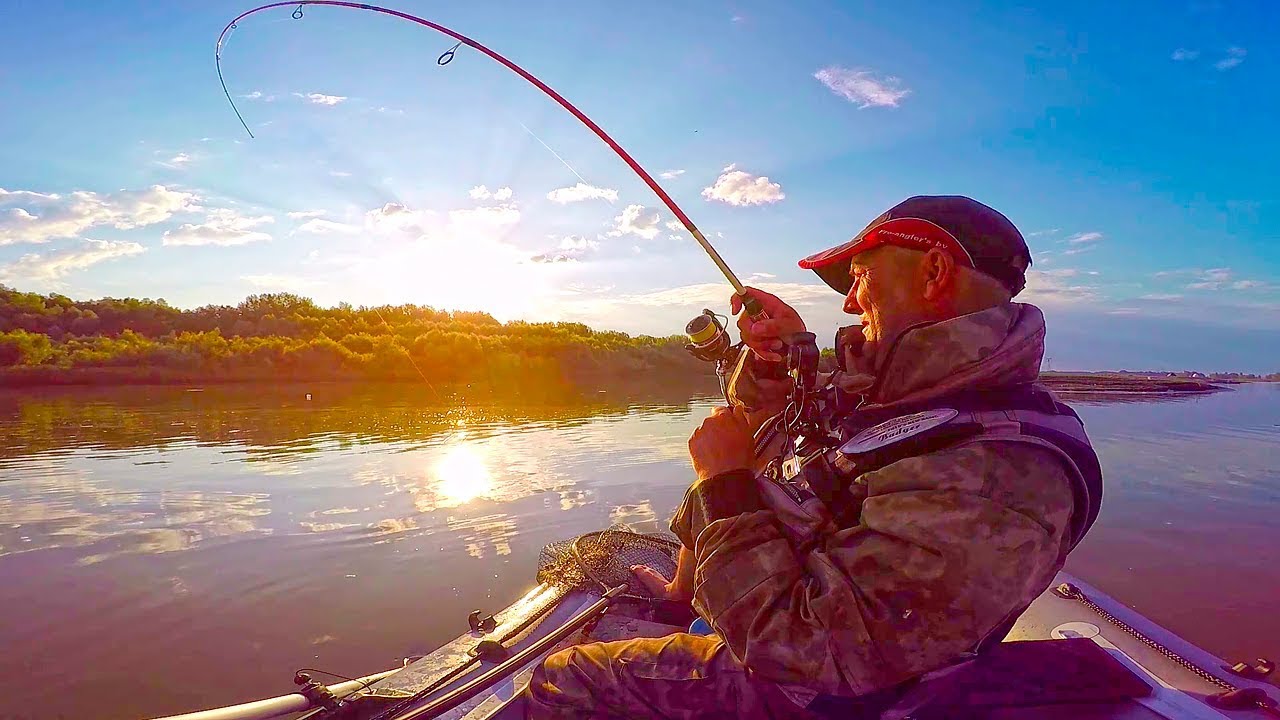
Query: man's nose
(851, 305)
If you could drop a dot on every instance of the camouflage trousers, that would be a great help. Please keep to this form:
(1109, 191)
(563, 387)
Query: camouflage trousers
(674, 677)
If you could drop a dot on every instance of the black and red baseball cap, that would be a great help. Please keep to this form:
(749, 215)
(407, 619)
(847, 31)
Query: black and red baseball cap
(975, 235)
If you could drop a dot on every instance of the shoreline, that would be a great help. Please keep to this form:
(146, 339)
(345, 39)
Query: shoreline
(1112, 383)
(1093, 383)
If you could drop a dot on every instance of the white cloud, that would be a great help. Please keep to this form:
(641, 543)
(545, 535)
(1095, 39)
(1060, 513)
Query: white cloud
(322, 99)
(397, 221)
(863, 87)
(481, 192)
(736, 187)
(221, 227)
(761, 276)
(304, 214)
(1055, 287)
(180, 159)
(1216, 279)
(339, 173)
(571, 249)
(33, 217)
(577, 242)
(394, 218)
(1161, 297)
(671, 174)
(482, 219)
(1084, 237)
(703, 294)
(667, 309)
(274, 283)
(317, 226)
(1182, 54)
(1207, 279)
(674, 225)
(259, 95)
(47, 269)
(580, 192)
(1235, 56)
(637, 220)
(1050, 231)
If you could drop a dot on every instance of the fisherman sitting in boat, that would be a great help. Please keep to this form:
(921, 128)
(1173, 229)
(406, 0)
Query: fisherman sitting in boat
(864, 572)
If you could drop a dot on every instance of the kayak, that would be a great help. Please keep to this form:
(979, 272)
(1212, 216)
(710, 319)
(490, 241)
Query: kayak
(1076, 652)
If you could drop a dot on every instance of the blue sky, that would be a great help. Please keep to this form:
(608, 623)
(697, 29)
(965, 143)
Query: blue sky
(1134, 144)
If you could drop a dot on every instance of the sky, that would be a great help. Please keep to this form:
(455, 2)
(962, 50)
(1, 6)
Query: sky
(1134, 144)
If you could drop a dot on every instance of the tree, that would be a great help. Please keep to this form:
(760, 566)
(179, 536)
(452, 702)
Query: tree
(19, 347)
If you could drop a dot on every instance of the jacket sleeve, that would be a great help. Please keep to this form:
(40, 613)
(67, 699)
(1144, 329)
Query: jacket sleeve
(949, 546)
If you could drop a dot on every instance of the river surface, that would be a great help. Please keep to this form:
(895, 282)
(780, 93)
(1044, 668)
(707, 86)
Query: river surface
(164, 550)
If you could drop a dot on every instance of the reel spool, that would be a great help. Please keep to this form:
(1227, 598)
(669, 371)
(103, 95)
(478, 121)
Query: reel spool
(708, 339)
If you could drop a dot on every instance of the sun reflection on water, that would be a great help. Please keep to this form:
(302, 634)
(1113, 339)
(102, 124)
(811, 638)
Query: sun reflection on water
(461, 475)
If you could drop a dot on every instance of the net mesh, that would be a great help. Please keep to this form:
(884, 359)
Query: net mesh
(602, 560)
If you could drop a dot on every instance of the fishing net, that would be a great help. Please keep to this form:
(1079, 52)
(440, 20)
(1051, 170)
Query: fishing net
(602, 560)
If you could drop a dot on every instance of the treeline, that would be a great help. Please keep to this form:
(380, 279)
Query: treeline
(282, 336)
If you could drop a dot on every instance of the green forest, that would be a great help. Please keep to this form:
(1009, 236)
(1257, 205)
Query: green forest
(52, 339)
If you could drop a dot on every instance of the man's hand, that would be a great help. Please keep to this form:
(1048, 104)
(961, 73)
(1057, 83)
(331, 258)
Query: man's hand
(659, 587)
(722, 443)
(765, 336)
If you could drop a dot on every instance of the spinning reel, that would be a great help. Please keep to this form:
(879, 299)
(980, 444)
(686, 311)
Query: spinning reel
(709, 341)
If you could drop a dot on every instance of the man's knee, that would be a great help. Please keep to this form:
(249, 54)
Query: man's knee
(603, 676)
(574, 677)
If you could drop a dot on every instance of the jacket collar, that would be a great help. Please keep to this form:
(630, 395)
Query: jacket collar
(996, 347)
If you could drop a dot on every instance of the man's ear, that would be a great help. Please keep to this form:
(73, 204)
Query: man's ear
(939, 274)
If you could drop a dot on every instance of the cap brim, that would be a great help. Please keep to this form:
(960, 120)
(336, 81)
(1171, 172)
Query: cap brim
(832, 265)
(836, 276)
(910, 232)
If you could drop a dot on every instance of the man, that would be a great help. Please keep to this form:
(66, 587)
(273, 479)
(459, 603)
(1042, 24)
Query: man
(955, 493)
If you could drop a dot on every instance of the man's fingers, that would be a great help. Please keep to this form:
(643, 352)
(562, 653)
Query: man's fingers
(726, 414)
(770, 328)
(651, 579)
(763, 352)
(769, 302)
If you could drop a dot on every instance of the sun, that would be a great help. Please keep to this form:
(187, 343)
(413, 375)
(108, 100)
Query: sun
(461, 475)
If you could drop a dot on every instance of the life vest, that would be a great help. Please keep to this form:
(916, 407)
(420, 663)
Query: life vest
(826, 493)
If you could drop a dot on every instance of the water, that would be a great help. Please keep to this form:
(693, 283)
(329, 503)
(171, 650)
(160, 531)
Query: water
(163, 550)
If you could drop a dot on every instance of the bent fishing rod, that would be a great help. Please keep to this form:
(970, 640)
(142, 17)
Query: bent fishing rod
(750, 304)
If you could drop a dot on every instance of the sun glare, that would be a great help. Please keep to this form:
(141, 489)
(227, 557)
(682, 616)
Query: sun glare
(457, 273)
(461, 475)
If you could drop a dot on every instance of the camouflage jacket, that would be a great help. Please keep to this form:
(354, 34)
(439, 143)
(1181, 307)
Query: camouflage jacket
(944, 549)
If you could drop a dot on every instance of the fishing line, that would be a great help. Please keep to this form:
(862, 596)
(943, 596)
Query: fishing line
(557, 156)
(225, 91)
(408, 354)
(752, 305)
